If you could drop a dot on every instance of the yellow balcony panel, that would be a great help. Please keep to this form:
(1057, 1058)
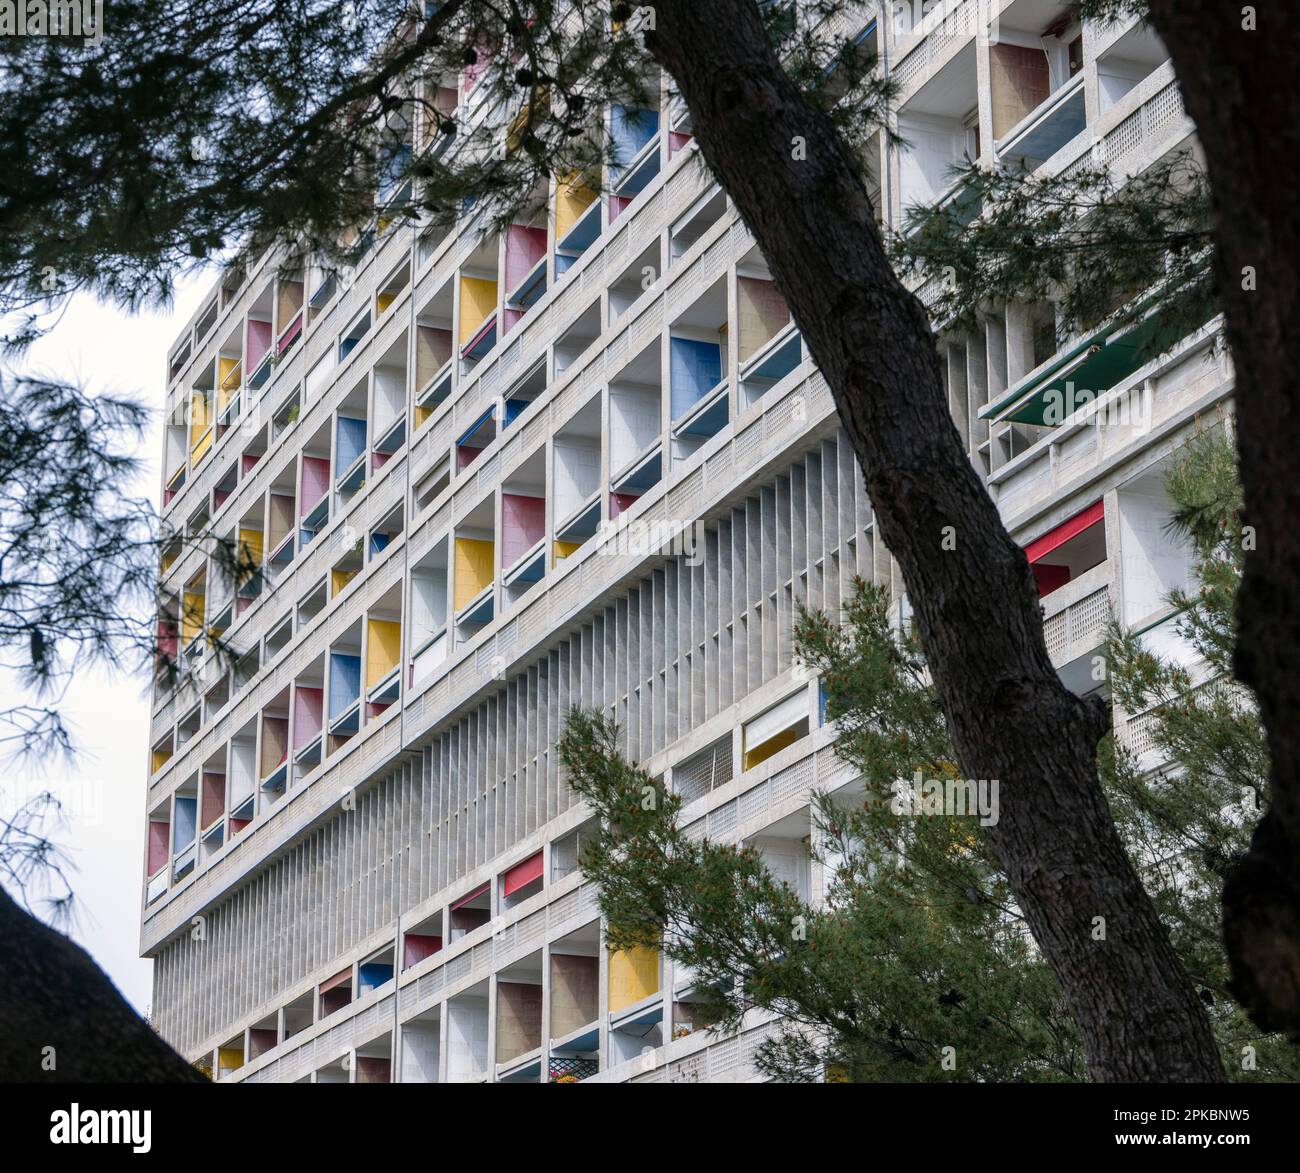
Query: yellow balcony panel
(633, 975)
(228, 374)
(201, 447)
(474, 569)
(383, 649)
(573, 196)
(564, 549)
(191, 618)
(250, 547)
(478, 301)
(339, 580)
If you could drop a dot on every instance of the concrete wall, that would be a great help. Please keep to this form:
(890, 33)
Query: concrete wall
(575, 993)
(519, 1019)
(1018, 82)
(467, 1038)
(420, 1047)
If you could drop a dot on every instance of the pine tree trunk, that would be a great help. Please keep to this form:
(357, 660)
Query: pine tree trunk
(62, 1020)
(1238, 85)
(976, 606)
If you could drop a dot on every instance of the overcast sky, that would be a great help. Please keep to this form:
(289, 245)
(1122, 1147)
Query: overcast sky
(107, 350)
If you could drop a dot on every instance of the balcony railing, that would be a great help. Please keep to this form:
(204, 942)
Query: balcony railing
(1077, 620)
(564, 1070)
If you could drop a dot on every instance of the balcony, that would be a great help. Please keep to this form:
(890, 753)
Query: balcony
(1078, 375)
(635, 144)
(1053, 125)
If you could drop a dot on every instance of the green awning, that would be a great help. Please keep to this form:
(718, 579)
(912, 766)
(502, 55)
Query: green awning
(1095, 364)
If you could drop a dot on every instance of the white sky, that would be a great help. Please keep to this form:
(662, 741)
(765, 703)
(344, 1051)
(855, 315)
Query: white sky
(104, 788)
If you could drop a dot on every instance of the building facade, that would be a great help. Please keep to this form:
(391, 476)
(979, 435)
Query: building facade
(584, 461)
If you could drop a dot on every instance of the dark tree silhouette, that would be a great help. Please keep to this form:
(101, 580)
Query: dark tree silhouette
(1236, 66)
(78, 572)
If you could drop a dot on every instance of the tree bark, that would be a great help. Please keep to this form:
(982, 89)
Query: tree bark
(1238, 85)
(62, 1020)
(980, 622)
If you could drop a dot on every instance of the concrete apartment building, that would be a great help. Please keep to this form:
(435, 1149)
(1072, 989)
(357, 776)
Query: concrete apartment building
(458, 469)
